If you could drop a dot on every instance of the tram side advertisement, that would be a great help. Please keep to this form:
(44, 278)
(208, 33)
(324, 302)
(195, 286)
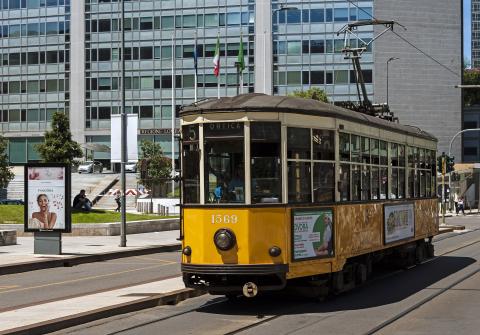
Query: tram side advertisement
(399, 222)
(312, 232)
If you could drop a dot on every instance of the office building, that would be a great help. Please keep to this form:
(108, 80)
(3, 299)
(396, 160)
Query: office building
(288, 45)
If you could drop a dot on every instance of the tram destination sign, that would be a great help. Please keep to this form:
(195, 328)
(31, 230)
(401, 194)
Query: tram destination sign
(312, 233)
(158, 131)
(398, 222)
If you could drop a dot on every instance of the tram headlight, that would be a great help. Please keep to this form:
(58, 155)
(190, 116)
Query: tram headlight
(187, 251)
(224, 239)
(275, 251)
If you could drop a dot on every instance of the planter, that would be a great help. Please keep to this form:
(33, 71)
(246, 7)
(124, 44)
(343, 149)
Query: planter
(110, 229)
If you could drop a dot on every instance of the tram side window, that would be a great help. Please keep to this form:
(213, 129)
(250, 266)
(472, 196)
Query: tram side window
(375, 183)
(265, 162)
(365, 150)
(323, 182)
(422, 173)
(356, 182)
(191, 165)
(299, 172)
(344, 183)
(224, 162)
(323, 145)
(298, 143)
(366, 182)
(344, 147)
(355, 148)
(299, 182)
(375, 151)
(383, 182)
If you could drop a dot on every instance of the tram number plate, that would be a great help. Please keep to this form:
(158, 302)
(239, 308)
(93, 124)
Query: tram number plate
(224, 218)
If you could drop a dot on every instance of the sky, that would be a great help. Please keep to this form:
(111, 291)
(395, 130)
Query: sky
(467, 29)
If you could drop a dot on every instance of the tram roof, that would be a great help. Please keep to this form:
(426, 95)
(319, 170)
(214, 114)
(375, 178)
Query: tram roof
(258, 102)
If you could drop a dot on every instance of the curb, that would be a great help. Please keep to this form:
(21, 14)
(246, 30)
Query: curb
(67, 262)
(170, 298)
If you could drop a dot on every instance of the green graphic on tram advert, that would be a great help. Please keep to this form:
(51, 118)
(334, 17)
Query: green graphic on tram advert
(312, 234)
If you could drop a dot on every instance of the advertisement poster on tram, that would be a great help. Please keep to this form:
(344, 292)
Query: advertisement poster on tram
(47, 198)
(312, 233)
(399, 222)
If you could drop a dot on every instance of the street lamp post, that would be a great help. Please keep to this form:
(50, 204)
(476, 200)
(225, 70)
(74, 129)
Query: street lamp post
(388, 62)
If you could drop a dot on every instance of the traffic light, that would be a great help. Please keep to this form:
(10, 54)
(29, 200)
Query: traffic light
(450, 164)
(439, 164)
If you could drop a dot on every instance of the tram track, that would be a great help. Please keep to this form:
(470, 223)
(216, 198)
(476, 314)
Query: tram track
(287, 310)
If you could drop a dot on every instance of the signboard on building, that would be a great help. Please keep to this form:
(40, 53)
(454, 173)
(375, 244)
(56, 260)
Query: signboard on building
(312, 233)
(158, 131)
(116, 138)
(47, 198)
(399, 222)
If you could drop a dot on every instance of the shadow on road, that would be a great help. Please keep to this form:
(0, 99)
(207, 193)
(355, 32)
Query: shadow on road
(377, 293)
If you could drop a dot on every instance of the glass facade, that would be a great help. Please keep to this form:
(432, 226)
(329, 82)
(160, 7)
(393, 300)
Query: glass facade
(35, 66)
(36, 44)
(149, 27)
(307, 51)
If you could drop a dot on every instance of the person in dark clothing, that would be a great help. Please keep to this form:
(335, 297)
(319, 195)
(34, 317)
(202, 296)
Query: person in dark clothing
(82, 202)
(118, 200)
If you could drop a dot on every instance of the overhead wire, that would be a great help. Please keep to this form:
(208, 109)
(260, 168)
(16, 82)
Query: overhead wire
(408, 42)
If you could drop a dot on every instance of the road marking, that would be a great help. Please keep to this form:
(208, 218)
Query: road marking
(7, 287)
(83, 279)
(155, 259)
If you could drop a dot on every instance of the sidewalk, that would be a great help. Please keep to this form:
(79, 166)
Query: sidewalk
(84, 249)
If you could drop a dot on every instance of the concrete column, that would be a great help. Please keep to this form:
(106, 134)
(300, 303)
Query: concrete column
(263, 47)
(77, 71)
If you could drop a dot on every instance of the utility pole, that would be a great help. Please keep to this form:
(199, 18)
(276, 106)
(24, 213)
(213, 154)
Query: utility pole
(443, 186)
(123, 225)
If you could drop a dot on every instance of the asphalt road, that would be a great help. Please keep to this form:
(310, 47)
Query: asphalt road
(28, 288)
(440, 296)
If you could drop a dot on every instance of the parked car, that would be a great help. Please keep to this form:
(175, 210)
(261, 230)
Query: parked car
(90, 167)
(11, 202)
(131, 167)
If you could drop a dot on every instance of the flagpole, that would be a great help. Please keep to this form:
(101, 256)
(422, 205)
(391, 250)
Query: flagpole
(196, 68)
(173, 113)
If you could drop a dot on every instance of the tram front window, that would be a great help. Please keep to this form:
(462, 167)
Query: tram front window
(224, 163)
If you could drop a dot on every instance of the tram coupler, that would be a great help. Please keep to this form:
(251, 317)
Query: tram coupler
(250, 290)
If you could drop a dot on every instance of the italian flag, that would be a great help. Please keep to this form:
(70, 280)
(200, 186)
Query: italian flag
(216, 59)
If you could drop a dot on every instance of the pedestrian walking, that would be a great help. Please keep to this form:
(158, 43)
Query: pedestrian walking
(460, 206)
(455, 200)
(118, 200)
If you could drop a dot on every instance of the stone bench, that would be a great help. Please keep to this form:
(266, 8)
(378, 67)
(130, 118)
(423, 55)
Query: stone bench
(8, 237)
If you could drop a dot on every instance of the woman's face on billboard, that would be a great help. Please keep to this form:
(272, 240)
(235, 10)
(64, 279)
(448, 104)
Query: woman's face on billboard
(43, 203)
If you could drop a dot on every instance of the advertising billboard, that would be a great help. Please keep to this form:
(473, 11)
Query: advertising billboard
(312, 233)
(399, 222)
(47, 198)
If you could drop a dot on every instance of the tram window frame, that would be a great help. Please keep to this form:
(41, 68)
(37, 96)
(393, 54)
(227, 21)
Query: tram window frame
(302, 193)
(323, 145)
(191, 164)
(375, 151)
(344, 182)
(365, 150)
(344, 147)
(323, 182)
(298, 141)
(265, 138)
(355, 148)
(223, 135)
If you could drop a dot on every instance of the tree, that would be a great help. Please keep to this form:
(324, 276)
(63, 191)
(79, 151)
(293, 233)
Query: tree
(58, 146)
(155, 168)
(6, 174)
(312, 93)
(471, 96)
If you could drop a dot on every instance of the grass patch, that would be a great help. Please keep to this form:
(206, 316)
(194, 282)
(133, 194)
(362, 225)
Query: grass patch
(14, 214)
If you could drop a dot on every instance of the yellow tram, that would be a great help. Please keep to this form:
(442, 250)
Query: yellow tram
(279, 189)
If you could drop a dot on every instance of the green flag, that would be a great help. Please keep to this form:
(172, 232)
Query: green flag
(240, 59)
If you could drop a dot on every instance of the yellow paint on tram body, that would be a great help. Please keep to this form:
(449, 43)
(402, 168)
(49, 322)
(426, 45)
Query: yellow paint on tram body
(358, 229)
